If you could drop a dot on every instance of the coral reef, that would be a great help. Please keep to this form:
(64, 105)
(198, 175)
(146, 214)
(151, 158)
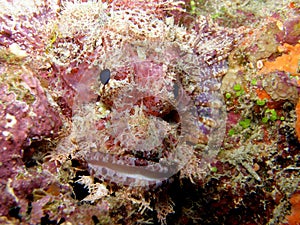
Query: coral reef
(149, 112)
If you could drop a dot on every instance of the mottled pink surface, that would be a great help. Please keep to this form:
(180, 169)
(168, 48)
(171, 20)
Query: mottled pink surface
(22, 122)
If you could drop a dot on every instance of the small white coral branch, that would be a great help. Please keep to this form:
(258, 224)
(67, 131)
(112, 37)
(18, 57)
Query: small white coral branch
(163, 209)
(97, 191)
(143, 204)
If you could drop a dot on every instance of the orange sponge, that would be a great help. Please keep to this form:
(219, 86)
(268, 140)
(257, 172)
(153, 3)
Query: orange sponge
(294, 218)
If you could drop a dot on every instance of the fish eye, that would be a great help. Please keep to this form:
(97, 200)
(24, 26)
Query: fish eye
(105, 76)
(175, 90)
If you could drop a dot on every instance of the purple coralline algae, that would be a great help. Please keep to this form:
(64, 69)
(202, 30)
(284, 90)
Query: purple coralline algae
(26, 114)
(26, 117)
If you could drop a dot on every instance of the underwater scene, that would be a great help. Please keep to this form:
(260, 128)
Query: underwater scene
(161, 112)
